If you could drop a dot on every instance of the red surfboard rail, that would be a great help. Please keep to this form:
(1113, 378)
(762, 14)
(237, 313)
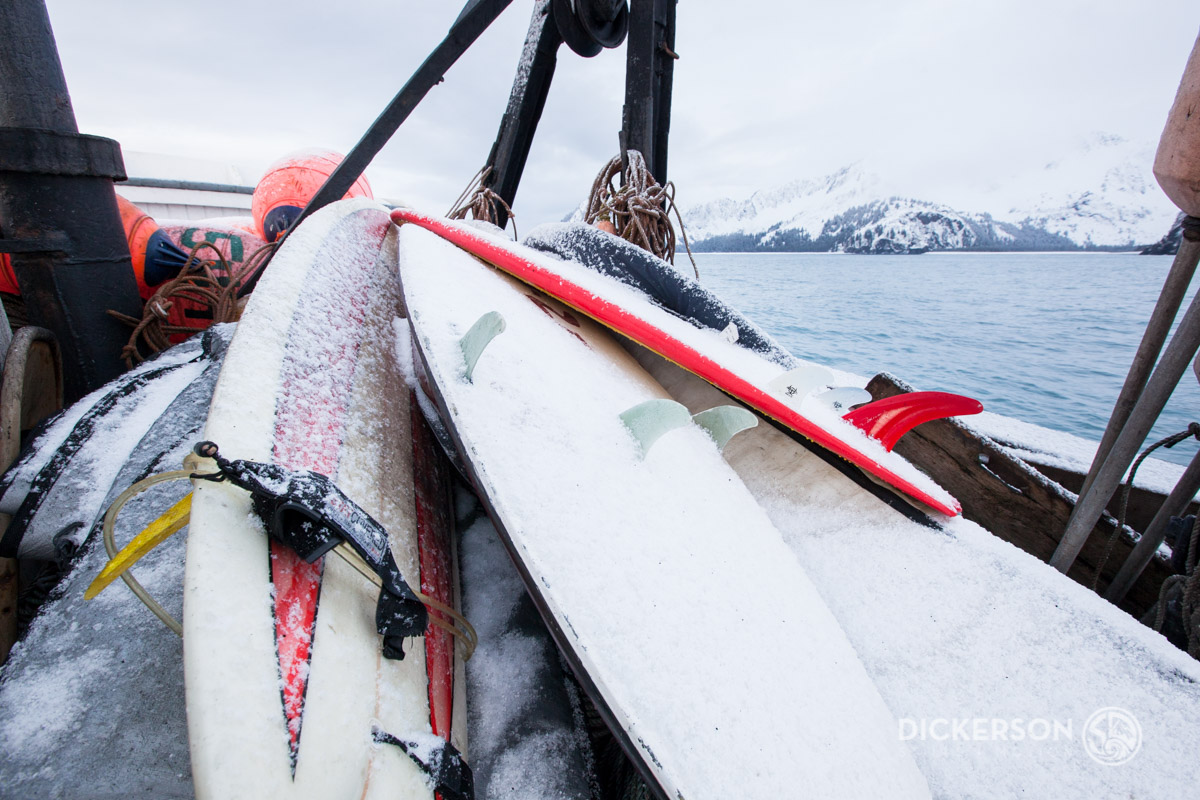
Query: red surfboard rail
(667, 346)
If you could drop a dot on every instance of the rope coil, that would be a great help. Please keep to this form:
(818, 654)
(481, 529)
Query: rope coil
(209, 284)
(640, 210)
(482, 203)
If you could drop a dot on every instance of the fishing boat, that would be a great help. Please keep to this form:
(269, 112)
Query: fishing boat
(428, 511)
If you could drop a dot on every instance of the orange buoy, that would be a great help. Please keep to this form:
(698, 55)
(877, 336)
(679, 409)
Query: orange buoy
(155, 258)
(289, 184)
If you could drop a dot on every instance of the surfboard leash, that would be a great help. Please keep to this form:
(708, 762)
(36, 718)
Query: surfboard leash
(305, 511)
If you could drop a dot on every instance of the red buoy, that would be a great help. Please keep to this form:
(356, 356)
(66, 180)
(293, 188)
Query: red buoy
(289, 184)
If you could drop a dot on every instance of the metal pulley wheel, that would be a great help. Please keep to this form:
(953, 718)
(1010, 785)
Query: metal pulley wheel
(588, 26)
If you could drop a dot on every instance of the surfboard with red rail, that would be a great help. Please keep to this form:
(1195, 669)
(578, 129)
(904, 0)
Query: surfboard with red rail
(863, 437)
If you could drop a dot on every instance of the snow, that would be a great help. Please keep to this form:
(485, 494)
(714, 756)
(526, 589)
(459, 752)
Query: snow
(525, 741)
(955, 624)
(745, 364)
(664, 575)
(17, 480)
(91, 701)
(1040, 445)
(67, 509)
(1101, 192)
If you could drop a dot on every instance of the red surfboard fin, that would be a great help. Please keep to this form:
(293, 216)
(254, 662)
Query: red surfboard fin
(892, 417)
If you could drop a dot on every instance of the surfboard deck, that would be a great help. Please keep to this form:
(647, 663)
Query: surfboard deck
(693, 629)
(285, 679)
(741, 373)
(961, 626)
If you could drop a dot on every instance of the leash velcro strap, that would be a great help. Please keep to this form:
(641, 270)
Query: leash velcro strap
(440, 760)
(308, 512)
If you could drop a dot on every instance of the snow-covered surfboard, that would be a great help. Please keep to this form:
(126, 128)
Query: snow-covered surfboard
(742, 373)
(1007, 678)
(675, 601)
(288, 691)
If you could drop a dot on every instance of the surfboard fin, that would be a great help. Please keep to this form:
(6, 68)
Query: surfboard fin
(890, 418)
(648, 421)
(474, 341)
(724, 422)
(843, 398)
(794, 385)
(155, 534)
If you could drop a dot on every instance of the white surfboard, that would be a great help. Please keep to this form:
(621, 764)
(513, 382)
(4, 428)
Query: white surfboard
(1007, 678)
(286, 684)
(691, 625)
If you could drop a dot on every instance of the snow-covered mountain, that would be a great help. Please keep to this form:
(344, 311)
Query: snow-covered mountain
(1101, 195)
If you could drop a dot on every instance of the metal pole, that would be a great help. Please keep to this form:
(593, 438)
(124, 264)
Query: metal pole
(1174, 288)
(1175, 504)
(475, 18)
(59, 211)
(1175, 360)
(649, 72)
(530, 89)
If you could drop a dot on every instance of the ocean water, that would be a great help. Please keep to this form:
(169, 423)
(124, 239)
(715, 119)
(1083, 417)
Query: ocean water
(1044, 337)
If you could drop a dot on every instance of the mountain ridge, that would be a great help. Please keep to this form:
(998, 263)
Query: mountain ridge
(1100, 197)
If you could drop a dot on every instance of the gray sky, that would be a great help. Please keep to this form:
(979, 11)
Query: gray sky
(943, 97)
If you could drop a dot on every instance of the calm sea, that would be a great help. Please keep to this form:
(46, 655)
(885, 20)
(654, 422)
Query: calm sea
(1046, 338)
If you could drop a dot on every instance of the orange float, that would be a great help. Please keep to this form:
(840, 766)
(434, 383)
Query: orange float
(289, 184)
(155, 258)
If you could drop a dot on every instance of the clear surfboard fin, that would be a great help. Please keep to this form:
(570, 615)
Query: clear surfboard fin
(843, 398)
(155, 534)
(474, 341)
(724, 422)
(794, 385)
(648, 421)
(730, 333)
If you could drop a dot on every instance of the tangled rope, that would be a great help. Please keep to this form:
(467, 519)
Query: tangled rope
(482, 203)
(1187, 587)
(208, 284)
(640, 210)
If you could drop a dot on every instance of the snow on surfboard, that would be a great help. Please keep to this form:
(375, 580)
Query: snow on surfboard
(674, 600)
(962, 624)
(288, 691)
(742, 373)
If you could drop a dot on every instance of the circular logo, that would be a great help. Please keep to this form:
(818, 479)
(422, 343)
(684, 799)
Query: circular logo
(1112, 736)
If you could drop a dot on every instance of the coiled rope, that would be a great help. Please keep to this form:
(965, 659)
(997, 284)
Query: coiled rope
(209, 284)
(482, 203)
(639, 211)
(1190, 600)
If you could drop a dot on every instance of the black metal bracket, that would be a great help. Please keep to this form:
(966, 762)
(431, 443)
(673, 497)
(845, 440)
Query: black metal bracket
(587, 27)
(649, 73)
(44, 152)
(51, 243)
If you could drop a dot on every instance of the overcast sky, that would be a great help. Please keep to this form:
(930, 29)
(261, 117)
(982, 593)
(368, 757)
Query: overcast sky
(941, 96)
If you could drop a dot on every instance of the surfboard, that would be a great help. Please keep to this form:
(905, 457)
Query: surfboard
(690, 625)
(288, 691)
(1003, 673)
(740, 372)
(116, 672)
